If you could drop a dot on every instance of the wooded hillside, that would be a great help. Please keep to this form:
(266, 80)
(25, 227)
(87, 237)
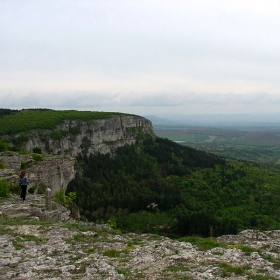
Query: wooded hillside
(159, 186)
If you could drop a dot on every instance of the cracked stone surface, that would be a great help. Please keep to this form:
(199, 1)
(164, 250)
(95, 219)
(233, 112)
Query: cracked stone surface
(54, 247)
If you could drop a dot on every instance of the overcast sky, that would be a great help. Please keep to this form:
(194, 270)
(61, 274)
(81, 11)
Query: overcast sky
(141, 56)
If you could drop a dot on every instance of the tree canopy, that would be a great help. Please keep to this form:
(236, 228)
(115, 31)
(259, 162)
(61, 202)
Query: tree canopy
(195, 192)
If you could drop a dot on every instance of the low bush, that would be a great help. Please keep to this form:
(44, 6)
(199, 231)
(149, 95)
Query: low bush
(3, 146)
(37, 150)
(37, 157)
(2, 165)
(42, 188)
(4, 188)
(67, 201)
(203, 244)
(15, 189)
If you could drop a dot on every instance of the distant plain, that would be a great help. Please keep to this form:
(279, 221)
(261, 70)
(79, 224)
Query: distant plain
(257, 141)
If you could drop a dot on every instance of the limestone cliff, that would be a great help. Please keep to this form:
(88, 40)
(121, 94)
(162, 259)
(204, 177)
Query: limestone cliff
(64, 143)
(96, 136)
(53, 171)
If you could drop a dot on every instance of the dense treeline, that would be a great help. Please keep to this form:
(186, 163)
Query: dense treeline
(195, 192)
(4, 112)
(13, 121)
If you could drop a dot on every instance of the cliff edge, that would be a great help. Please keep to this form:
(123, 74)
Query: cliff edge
(59, 147)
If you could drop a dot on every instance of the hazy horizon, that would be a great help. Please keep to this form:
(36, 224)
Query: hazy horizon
(141, 57)
(244, 120)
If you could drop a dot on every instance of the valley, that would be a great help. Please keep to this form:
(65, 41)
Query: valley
(259, 144)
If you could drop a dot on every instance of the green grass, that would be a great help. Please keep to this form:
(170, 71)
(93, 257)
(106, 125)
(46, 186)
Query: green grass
(17, 245)
(227, 269)
(203, 244)
(2, 165)
(81, 239)
(26, 120)
(177, 271)
(276, 262)
(134, 242)
(91, 251)
(112, 253)
(31, 238)
(125, 272)
(177, 268)
(261, 277)
(5, 221)
(4, 188)
(245, 249)
(18, 240)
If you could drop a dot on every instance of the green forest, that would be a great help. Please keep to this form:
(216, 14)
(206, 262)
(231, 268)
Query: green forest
(161, 187)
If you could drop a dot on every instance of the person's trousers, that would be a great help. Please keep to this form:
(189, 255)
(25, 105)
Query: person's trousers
(23, 192)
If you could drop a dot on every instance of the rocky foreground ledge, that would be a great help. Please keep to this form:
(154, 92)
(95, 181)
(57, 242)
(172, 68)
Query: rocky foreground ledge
(37, 244)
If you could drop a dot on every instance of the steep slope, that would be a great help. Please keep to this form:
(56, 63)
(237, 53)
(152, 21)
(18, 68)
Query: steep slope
(72, 132)
(161, 187)
(61, 136)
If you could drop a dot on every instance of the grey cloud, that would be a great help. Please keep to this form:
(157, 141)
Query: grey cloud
(85, 99)
(66, 100)
(179, 99)
(140, 54)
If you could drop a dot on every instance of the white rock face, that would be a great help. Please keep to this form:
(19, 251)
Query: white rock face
(71, 138)
(55, 172)
(96, 136)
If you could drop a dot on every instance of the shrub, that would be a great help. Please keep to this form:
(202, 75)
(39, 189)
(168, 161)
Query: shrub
(2, 165)
(59, 196)
(20, 140)
(66, 200)
(42, 188)
(37, 150)
(74, 130)
(112, 223)
(227, 269)
(112, 253)
(4, 188)
(58, 134)
(3, 146)
(31, 190)
(37, 157)
(203, 244)
(15, 189)
(23, 164)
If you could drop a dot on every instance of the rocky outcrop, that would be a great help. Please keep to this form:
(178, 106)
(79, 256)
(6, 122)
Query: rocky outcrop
(50, 171)
(33, 249)
(53, 172)
(69, 139)
(75, 137)
(33, 208)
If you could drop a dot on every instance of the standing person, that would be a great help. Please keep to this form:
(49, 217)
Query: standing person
(23, 184)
